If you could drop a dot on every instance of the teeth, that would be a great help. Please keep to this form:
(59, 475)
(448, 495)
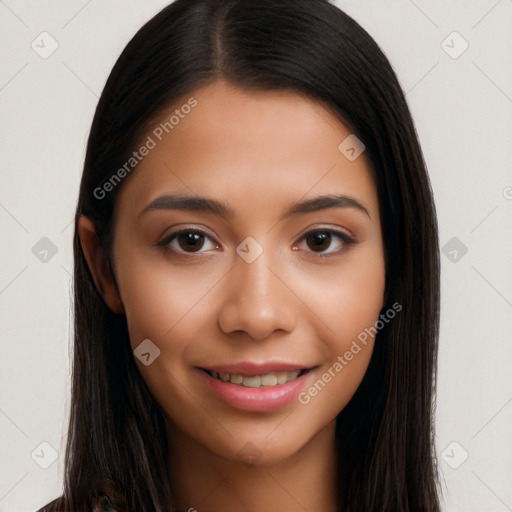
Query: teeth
(252, 382)
(269, 380)
(236, 379)
(257, 381)
(282, 377)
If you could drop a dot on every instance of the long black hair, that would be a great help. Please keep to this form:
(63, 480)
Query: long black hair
(385, 437)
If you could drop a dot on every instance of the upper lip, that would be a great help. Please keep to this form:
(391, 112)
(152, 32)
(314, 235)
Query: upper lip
(247, 368)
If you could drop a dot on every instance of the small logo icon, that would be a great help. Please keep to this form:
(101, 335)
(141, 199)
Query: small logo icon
(249, 249)
(454, 455)
(146, 352)
(454, 45)
(454, 249)
(44, 45)
(351, 147)
(44, 250)
(44, 455)
(249, 454)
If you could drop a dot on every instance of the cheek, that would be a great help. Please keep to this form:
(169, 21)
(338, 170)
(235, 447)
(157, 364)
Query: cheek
(159, 301)
(348, 306)
(360, 299)
(158, 306)
(349, 298)
(173, 309)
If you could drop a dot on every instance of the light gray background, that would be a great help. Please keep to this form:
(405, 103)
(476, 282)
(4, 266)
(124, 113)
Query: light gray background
(462, 109)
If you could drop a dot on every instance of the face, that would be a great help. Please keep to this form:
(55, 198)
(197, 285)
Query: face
(248, 251)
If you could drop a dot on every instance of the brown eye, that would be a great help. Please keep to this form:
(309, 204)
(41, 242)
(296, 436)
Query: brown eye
(190, 241)
(327, 242)
(319, 241)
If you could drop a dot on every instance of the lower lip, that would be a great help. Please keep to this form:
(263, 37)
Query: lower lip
(266, 398)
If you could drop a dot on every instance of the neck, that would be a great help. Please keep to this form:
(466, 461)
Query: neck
(205, 482)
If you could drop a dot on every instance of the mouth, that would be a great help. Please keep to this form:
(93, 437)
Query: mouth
(256, 387)
(265, 380)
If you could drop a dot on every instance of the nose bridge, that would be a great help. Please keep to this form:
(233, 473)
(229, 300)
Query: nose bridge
(255, 274)
(257, 301)
(257, 285)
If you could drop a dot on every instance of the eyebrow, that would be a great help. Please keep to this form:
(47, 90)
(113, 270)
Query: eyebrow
(225, 211)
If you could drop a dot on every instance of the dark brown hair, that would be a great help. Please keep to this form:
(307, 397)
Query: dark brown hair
(385, 437)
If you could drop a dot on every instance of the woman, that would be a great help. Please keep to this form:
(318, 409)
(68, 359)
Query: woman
(256, 273)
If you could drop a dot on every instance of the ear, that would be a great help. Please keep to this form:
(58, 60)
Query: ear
(98, 265)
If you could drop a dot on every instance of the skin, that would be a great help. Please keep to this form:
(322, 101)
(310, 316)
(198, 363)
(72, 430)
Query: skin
(259, 152)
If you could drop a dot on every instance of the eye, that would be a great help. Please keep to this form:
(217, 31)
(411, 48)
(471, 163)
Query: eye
(188, 241)
(193, 240)
(322, 239)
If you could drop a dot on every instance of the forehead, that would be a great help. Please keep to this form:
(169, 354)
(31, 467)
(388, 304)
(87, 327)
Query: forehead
(248, 144)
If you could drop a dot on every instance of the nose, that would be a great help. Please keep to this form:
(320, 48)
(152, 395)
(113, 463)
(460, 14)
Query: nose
(257, 299)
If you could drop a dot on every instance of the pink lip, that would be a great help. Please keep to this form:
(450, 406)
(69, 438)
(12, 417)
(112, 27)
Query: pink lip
(266, 398)
(247, 369)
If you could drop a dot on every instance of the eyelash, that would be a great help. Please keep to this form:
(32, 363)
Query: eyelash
(345, 238)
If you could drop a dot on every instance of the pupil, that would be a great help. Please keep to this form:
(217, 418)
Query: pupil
(194, 240)
(323, 240)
